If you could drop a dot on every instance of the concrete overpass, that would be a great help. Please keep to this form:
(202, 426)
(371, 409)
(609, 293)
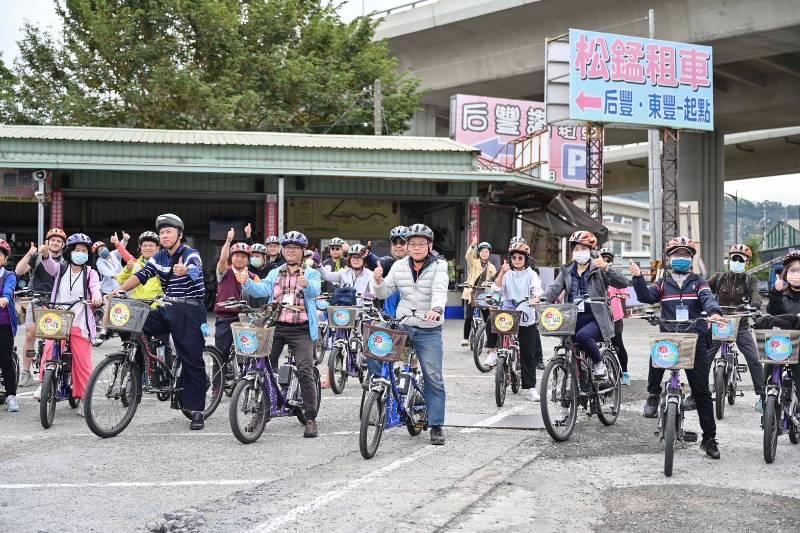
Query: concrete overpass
(496, 48)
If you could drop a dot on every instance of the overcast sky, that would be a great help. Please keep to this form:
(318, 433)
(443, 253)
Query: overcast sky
(13, 13)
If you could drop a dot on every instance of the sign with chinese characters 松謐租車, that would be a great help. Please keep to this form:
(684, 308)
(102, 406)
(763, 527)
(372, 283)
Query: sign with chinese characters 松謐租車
(621, 79)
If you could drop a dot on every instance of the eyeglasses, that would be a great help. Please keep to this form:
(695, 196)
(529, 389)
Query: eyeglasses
(336, 248)
(292, 248)
(517, 256)
(418, 245)
(794, 271)
(398, 242)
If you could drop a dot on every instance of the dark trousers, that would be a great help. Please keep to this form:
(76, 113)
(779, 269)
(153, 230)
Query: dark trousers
(587, 335)
(622, 353)
(529, 340)
(747, 345)
(468, 312)
(223, 337)
(7, 360)
(491, 337)
(298, 338)
(183, 321)
(698, 383)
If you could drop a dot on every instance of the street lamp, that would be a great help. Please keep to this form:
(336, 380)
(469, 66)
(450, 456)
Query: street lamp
(736, 200)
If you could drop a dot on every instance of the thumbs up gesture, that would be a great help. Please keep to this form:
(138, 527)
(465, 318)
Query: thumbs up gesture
(634, 269)
(302, 282)
(241, 277)
(231, 234)
(378, 274)
(180, 269)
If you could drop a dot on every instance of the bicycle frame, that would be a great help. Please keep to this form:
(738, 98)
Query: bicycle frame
(260, 371)
(785, 395)
(57, 364)
(397, 405)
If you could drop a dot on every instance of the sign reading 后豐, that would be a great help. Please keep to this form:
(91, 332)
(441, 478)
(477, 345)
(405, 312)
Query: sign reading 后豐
(633, 80)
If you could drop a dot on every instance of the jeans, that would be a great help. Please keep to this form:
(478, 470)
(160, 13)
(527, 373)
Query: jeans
(428, 345)
(298, 338)
(747, 345)
(587, 335)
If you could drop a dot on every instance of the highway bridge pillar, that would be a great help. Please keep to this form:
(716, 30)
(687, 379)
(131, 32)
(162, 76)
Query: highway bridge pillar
(701, 178)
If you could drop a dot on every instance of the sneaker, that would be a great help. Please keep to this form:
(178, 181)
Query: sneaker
(198, 421)
(600, 370)
(760, 405)
(651, 406)
(626, 378)
(491, 359)
(311, 430)
(533, 395)
(12, 405)
(711, 447)
(25, 379)
(464, 343)
(437, 437)
(540, 365)
(37, 395)
(79, 410)
(689, 404)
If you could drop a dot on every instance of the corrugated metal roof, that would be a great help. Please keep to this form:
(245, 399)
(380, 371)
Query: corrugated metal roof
(235, 138)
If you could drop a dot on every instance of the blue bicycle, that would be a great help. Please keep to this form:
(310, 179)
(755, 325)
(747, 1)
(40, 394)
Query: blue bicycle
(396, 397)
(346, 359)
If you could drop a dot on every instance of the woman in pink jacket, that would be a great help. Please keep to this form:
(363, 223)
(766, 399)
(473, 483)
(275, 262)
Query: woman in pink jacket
(72, 281)
(616, 296)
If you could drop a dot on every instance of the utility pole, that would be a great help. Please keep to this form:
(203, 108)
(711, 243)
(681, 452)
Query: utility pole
(377, 109)
(654, 173)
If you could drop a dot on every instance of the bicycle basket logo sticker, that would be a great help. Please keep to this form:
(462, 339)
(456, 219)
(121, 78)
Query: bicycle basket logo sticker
(504, 322)
(120, 315)
(722, 331)
(246, 342)
(778, 348)
(665, 354)
(50, 323)
(341, 317)
(551, 319)
(380, 343)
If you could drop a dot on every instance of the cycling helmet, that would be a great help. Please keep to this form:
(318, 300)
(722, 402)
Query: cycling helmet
(168, 220)
(151, 236)
(78, 238)
(96, 246)
(56, 232)
(585, 238)
(357, 250)
(399, 232)
(336, 241)
(741, 249)
(677, 243)
(240, 248)
(485, 245)
(607, 252)
(258, 249)
(420, 230)
(5, 248)
(793, 255)
(519, 247)
(272, 239)
(294, 237)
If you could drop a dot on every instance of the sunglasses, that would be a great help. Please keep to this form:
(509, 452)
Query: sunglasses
(738, 259)
(517, 256)
(336, 247)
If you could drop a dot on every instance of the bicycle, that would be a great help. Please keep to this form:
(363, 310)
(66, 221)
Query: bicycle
(53, 322)
(567, 380)
(260, 395)
(26, 297)
(727, 369)
(346, 358)
(477, 331)
(396, 397)
(144, 364)
(779, 350)
(505, 323)
(673, 350)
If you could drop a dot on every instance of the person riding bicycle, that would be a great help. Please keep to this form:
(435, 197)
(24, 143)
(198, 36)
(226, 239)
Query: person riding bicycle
(337, 247)
(294, 285)
(518, 283)
(492, 338)
(8, 328)
(355, 275)
(732, 289)
(73, 281)
(617, 297)
(398, 237)
(422, 279)
(683, 296)
(40, 282)
(109, 265)
(148, 246)
(230, 279)
(579, 279)
(183, 314)
(274, 259)
(479, 272)
(784, 299)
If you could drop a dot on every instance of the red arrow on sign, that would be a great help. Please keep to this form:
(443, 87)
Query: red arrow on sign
(583, 101)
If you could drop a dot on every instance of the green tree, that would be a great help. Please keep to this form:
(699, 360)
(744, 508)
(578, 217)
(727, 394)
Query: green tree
(277, 65)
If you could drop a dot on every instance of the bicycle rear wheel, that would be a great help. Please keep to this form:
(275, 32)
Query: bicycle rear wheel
(609, 393)
(670, 433)
(720, 391)
(248, 413)
(372, 424)
(477, 351)
(111, 396)
(47, 403)
(771, 428)
(559, 391)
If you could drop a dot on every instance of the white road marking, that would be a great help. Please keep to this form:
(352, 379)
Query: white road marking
(134, 484)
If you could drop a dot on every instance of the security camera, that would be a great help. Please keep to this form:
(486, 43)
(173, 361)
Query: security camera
(40, 175)
(40, 196)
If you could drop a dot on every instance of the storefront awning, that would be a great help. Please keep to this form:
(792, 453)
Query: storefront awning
(561, 218)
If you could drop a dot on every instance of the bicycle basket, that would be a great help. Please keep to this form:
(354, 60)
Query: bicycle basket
(53, 323)
(478, 298)
(384, 344)
(250, 341)
(556, 320)
(342, 317)
(127, 315)
(728, 332)
(673, 350)
(504, 322)
(778, 346)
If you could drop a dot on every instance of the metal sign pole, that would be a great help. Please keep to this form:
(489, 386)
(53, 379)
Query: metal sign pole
(654, 173)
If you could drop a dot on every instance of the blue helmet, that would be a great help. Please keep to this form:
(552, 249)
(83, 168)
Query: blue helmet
(78, 238)
(399, 232)
(485, 245)
(294, 237)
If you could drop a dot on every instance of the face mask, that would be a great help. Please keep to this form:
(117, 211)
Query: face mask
(79, 258)
(581, 257)
(681, 265)
(104, 253)
(793, 279)
(737, 267)
(256, 262)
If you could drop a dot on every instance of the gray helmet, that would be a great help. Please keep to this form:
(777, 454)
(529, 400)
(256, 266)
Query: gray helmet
(169, 220)
(272, 240)
(516, 240)
(607, 251)
(258, 248)
(151, 236)
(485, 245)
(356, 249)
(336, 241)
(420, 230)
(399, 232)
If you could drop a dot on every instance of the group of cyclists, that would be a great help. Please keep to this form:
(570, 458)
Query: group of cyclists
(412, 284)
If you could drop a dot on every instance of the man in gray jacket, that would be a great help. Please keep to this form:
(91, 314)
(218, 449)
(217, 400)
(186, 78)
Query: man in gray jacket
(421, 279)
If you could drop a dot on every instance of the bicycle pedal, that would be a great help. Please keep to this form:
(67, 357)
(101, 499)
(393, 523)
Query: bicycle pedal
(690, 436)
(741, 368)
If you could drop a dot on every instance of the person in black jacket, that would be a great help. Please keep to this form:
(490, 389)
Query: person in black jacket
(784, 299)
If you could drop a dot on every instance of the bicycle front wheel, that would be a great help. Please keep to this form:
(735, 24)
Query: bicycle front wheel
(720, 391)
(500, 381)
(558, 399)
(372, 424)
(249, 411)
(771, 428)
(337, 369)
(609, 393)
(111, 396)
(670, 432)
(477, 350)
(47, 403)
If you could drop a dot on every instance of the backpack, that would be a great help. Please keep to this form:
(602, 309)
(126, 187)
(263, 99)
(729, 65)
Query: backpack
(343, 296)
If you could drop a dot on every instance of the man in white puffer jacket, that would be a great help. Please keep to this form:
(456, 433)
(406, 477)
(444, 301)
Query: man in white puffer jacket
(422, 278)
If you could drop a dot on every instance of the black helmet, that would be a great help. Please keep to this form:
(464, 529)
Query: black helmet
(420, 230)
(169, 220)
(149, 236)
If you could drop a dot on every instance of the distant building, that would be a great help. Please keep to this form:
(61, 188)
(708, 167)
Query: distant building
(628, 223)
(779, 239)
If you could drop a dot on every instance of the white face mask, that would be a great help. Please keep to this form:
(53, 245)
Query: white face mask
(737, 267)
(581, 257)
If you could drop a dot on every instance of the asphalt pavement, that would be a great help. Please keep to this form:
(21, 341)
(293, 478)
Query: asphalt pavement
(159, 476)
